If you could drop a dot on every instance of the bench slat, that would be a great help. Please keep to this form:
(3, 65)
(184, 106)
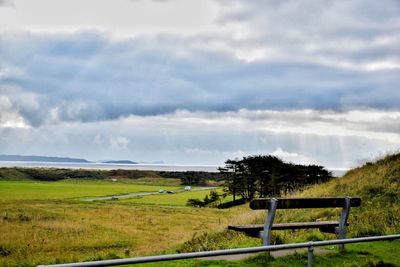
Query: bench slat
(285, 226)
(254, 229)
(303, 203)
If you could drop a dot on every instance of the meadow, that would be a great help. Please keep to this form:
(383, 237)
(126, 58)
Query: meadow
(70, 189)
(50, 222)
(177, 199)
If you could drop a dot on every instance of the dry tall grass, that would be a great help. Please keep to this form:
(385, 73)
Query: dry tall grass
(378, 184)
(49, 231)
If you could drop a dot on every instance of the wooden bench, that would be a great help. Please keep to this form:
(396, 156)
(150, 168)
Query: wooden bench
(272, 204)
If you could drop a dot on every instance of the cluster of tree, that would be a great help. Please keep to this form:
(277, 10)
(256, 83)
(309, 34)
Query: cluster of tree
(131, 174)
(54, 174)
(50, 174)
(264, 176)
(192, 177)
(213, 199)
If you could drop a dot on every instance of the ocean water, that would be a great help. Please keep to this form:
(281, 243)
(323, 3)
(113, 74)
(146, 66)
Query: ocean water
(110, 166)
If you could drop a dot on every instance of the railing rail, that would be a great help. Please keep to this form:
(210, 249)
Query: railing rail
(169, 257)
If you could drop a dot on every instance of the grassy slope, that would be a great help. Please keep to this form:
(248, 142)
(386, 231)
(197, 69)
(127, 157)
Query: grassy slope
(378, 184)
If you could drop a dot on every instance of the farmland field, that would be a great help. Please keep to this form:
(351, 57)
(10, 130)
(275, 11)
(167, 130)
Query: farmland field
(178, 199)
(48, 222)
(70, 189)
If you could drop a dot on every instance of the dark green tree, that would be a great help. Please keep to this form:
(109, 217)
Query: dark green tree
(266, 175)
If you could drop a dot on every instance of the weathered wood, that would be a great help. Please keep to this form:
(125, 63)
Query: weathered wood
(267, 232)
(249, 229)
(303, 203)
(342, 229)
(254, 229)
(286, 226)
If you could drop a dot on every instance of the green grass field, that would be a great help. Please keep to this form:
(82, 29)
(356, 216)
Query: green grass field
(48, 222)
(177, 199)
(67, 189)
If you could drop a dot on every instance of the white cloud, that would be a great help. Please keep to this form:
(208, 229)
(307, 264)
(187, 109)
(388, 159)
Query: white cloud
(118, 142)
(9, 117)
(122, 17)
(211, 138)
(291, 157)
(87, 76)
(190, 81)
(98, 140)
(345, 34)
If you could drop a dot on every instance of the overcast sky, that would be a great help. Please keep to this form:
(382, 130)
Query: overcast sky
(198, 82)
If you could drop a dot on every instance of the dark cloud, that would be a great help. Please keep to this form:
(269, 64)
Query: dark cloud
(355, 33)
(345, 56)
(88, 77)
(7, 3)
(309, 80)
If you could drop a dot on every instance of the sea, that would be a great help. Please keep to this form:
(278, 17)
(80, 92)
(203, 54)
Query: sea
(109, 166)
(338, 172)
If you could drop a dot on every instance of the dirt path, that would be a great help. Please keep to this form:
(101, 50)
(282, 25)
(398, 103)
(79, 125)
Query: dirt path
(116, 197)
(141, 194)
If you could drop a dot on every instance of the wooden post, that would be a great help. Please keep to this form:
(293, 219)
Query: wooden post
(266, 236)
(343, 222)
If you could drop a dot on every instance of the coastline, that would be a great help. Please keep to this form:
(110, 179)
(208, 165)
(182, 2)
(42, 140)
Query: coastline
(109, 166)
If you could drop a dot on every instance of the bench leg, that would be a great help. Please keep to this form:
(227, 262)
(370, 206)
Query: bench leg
(343, 222)
(266, 235)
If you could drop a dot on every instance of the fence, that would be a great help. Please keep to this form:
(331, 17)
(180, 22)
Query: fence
(309, 245)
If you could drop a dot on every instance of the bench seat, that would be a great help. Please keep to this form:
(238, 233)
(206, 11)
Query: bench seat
(255, 229)
(272, 204)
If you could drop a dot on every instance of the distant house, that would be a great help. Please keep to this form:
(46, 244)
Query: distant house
(188, 188)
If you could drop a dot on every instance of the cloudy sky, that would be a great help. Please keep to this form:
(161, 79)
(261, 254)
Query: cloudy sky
(198, 82)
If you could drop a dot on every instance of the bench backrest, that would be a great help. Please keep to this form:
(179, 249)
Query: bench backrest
(304, 203)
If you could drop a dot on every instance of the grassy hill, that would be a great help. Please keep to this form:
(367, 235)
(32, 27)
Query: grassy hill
(378, 184)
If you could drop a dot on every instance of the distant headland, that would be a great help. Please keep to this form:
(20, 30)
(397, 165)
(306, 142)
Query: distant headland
(33, 158)
(120, 162)
(41, 159)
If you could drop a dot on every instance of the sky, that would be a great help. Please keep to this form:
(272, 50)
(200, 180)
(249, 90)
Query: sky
(199, 82)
